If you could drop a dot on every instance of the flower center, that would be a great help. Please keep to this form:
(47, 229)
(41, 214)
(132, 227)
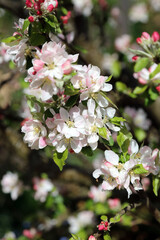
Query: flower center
(70, 124)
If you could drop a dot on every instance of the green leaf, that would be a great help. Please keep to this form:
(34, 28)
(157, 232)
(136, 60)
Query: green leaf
(37, 39)
(59, 158)
(140, 90)
(155, 72)
(103, 132)
(10, 39)
(115, 219)
(139, 169)
(123, 139)
(75, 237)
(140, 134)
(87, 151)
(104, 218)
(156, 184)
(140, 64)
(26, 24)
(72, 101)
(70, 90)
(153, 93)
(121, 87)
(117, 120)
(107, 236)
(109, 78)
(116, 69)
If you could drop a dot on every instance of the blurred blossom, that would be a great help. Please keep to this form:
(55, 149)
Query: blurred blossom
(31, 233)
(122, 43)
(2, 12)
(139, 117)
(98, 160)
(145, 183)
(83, 7)
(47, 225)
(108, 61)
(115, 12)
(42, 187)
(114, 203)
(11, 184)
(9, 236)
(97, 194)
(139, 13)
(83, 219)
(4, 56)
(155, 5)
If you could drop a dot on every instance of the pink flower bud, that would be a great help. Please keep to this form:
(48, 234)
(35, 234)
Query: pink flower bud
(29, 3)
(101, 227)
(91, 238)
(158, 88)
(17, 33)
(155, 36)
(139, 40)
(50, 8)
(145, 35)
(31, 19)
(134, 58)
(28, 234)
(66, 18)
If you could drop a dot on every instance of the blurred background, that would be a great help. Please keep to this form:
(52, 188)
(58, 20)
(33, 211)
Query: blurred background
(37, 201)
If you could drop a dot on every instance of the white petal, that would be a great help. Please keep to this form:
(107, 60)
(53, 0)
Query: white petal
(110, 112)
(102, 101)
(97, 173)
(133, 148)
(111, 157)
(64, 114)
(91, 106)
(107, 87)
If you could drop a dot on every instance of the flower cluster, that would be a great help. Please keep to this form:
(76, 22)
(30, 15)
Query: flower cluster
(39, 7)
(118, 174)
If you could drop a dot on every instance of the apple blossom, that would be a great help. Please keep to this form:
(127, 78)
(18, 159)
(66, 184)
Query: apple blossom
(122, 43)
(35, 134)
(42, 187)
(139, 13)
(83, 7)
(11, 184)
(97, 194)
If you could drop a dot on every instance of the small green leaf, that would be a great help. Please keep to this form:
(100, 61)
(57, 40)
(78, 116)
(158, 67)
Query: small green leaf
(59, 158)
(70, 90)
(72, 101)
(139, 169)
(116, 69)
(109, 78)
(153, 93)
(10, 39)
(140, 90)
(104, 218)
(25, 24)
(140, 134)
(155, 72)
(140, 64)
(117, 120)
(107, 236)
(156, 184)
(121, 87)
(123, 139)
(115, 219)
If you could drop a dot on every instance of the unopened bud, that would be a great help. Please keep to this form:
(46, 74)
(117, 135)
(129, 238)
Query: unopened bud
(91, 238)
(155, 36)
(145, 35)
(139, 40)
(31, 19)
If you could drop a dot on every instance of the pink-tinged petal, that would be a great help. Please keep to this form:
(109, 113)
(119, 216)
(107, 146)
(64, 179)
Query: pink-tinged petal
(67, 67)
(38, 64)
(97, 173)
(155, 153)
(42, 142)
(111, 157)
(64, 114)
